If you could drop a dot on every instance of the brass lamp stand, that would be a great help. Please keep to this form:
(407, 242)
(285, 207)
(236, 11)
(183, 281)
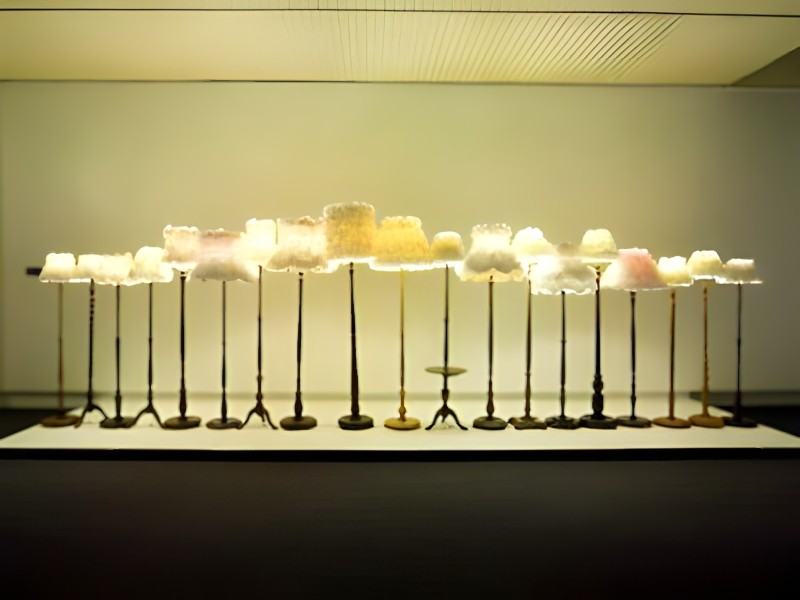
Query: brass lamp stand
(671, 420)
(402, 422)
(704, 419)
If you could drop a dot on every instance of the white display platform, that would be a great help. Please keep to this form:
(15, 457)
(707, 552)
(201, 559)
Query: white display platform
(327, 436)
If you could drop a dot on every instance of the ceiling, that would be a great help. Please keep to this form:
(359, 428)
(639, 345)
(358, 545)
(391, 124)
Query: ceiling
(630, 42)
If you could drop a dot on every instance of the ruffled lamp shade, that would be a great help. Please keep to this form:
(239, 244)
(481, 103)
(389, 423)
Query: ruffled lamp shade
(491, 257)
(60, 268)
(530, 246)
(259, 241)
(633, 270)
(221, 256)
(739, 271)
(704, 264)
(597, 247)
(181, 245)
(302, 246)
(351, 232)
(105, 269)
(674, 272)
(149, 267)
(447, 249)
(401, 245)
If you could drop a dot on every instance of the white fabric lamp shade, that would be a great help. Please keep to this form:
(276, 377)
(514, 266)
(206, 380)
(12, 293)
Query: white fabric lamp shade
(181, 245)
(633, 270)
(302, 246)
(491, 258)
(105, 269)
(259, 241)
(555, 274)
(351, 232)
(674, 272)
(704, 264)
(530, 246)
(60, 267)
(149, 267)
(220, 257)
(401, 245)
(739, 270)
(447, 249)
(597, 247)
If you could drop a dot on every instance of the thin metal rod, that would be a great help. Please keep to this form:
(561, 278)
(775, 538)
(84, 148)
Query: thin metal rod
(597, 397)
(150, 343)
(224, 357)
(737, 405)
(60, 347)
(673, 294)
(354, 407)
(446, 327)
(705, 349)
(298, 400)
(633, 355)
(402, 345)
(490, 402)
(528, 353)
(90, 391)
(182, 402)
(563, 394)
(259, 357)
(118, 394)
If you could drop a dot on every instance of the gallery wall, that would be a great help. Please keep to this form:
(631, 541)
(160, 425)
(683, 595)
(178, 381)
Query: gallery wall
(102, 167)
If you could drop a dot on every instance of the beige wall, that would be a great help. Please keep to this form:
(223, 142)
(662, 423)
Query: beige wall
(103, 167)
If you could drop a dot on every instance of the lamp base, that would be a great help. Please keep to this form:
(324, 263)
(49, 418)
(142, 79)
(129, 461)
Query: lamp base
(740, 422)
(489, 423)
(60, 420)
(562, 423)
(118, 423)
(298, 423)
(631, 421)
(182, 423)
(601, 422)
(229, 423)
(356, 422)
(402, 424)
(527, 423)
(673, 422)
(707, 421)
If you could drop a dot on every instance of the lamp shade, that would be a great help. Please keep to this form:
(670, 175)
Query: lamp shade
(351, 232)
(105, 269)
(633, 270)
(220, 257)
(491, 257)
(597, 247)
(400, 244)
(149, 267)
(530, 246)
(739, 270)
(447, 249)
(302, 246)
(181, 245)
(556, 274)
(704, 264)
(259, 242)
(60, 268)
(674, 272)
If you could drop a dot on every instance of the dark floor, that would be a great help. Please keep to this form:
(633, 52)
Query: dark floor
(440, 529)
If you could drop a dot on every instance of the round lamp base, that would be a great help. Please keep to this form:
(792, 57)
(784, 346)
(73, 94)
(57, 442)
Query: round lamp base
(527, 423)
(117, 423)
(356, 422)
(740, 422)
(601, 422)
(229, 423)
(182, 423)
(673, 422)
(298, 424)
(402, 424)
(60, 420)
(562, 423)
(489, 423)
(638, 422)
(707, 421)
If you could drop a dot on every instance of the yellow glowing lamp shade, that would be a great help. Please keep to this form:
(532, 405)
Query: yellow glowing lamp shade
(401, 245)
(597, 247)
(220, 257)
(302, 247)
(181, 245)
(149, 267)
(105, 269)
(739, 270)
(351, 232)
(259, 241)
(447, 249)
(633, 270)
(704, 264)
(530, 246)
(555, 274)
(60, 267)
(490, 257)
(674, 272)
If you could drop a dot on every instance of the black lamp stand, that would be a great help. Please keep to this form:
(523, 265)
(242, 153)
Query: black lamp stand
(61, 418)
(562, 421)
(355, 420)
(299, 421)
(182, 421)
(90, 405)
